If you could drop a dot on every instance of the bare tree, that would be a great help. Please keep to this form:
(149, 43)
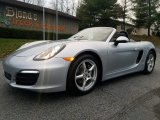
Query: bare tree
(73, 6)
(63, 5)
(27, 1)
(66, 6)
(125, 5)
(53, 4)
(35, 2)
(40, 2)
(60, 5)
(79, 3)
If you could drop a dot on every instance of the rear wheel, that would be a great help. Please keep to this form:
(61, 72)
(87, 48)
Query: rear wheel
(83, 75)
(150, 63)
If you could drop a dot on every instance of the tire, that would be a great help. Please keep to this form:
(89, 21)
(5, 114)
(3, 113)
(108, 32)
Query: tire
(83, 75)
(150, 63)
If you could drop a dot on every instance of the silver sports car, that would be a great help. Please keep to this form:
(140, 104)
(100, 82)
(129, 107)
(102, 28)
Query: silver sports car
(77, 64)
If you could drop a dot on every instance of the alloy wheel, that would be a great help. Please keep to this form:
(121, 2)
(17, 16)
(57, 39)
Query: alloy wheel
(151, 62)
(86, 75)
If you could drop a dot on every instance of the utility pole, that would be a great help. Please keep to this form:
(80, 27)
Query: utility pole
(56, 19)
(62, 4)
(44, 29)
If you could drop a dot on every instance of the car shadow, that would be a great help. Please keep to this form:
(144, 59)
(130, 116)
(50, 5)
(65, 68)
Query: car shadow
(120, 79)
(61, 96)
(31, 95)
(35, 97)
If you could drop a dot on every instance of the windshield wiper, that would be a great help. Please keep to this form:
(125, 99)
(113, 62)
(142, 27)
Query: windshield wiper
(80, 38)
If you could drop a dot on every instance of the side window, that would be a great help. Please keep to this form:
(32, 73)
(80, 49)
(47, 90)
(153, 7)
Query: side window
(115, 36)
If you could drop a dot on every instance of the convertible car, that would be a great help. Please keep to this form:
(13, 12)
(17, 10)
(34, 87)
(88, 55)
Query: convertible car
(77, 64)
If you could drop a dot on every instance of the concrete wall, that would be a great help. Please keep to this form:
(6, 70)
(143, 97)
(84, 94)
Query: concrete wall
(119, 27)
(136, 31)
(141, 31)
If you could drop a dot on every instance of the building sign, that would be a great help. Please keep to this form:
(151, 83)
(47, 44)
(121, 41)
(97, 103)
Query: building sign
(18, 14)
(17, 18)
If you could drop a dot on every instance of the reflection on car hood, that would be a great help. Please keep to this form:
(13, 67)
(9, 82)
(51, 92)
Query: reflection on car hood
(36, 48)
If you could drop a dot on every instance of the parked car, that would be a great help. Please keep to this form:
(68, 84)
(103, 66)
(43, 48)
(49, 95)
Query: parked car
(78, 63)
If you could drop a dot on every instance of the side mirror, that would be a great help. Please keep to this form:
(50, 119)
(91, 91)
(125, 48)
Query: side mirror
(121, 39)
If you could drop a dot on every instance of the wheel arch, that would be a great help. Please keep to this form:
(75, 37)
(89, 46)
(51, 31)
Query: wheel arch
(93, 54)
(146, 71)
(154, 51)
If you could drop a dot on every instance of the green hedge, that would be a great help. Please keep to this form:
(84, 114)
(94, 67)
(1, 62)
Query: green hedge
(28, 34)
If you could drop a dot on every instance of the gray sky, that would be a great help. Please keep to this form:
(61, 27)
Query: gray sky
(48, 3)
(70, 4)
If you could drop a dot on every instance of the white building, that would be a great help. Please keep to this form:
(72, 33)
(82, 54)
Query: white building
(134, 30)
(142, 31)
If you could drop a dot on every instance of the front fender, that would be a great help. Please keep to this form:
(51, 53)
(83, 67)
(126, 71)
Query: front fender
(74, 49)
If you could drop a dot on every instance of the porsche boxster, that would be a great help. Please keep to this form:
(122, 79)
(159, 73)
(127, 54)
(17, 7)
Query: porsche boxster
(78, 63)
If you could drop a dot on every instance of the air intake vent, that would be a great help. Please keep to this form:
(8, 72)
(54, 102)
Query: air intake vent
(27, 79)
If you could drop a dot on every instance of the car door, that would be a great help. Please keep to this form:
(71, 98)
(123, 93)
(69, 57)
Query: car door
(122, 57)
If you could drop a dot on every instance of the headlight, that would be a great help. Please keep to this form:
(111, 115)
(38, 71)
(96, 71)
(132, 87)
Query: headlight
(51, 52)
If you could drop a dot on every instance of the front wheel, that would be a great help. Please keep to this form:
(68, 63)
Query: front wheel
(150, 63)
(83, 75)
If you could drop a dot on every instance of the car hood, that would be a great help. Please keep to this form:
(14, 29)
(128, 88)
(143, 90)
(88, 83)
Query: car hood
(36, 48)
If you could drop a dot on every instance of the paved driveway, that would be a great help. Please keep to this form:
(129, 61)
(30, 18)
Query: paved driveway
(132, 97)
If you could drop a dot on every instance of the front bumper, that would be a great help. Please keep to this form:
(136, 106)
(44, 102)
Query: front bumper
(52, 73)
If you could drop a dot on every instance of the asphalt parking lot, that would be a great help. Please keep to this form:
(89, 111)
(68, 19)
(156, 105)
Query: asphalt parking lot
(132, 97)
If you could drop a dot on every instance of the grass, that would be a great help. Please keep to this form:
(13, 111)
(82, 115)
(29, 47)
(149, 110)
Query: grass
(154, 39)
(9, 45)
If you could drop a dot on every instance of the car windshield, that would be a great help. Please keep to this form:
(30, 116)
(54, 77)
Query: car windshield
(93, 34)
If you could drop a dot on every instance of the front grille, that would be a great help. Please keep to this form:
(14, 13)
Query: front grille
(27, 78)
(8, 76)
